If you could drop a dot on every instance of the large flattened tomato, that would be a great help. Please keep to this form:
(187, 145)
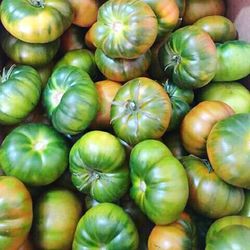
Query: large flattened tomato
(122, 70)
(16, 213)
(189, 57)
(220, 28)
(34, 153)
(124, 28)
(228, 149)
(198, 122)
(20, 91)
(106, 226)
(140, 110)
(36, 21)
(229, 232)
(206, 189)
(159, 182)
(179, 235)
(233, 61)
(56, 214)
(98, 166)
(71, 100)
(196, 9)
(33, 54)
(234, 94)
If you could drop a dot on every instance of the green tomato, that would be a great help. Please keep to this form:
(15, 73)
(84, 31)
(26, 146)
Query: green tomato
(36, 21)
(220, 28)
(233, 61)
(245, 211)
(56, 214)
(234, 94)
(122, 70)
(228, 149)
(81, 58)
(16, 213)
(106, 226)
(140, 110)
(33, 54)
(34, 153)
(20, 91)
(98, 166)
(124, 29)
(159, 182)
(189, 57)
(71, 100)
(207, 189)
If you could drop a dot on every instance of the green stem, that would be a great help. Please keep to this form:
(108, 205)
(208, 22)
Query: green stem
(6, 73)
(37, 3)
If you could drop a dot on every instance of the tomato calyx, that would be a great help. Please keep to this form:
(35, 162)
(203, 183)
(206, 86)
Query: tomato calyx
(37, 3)
(131, 106)
(7, 73)
(174, 59)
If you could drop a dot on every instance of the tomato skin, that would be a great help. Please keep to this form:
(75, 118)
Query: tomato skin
(26, 154)
(229, 232)
(173, 142)
(106, 90)
(159, 182)
(122, 70)
(85, 12)
(20, 87)
(197, 124)
(83, 59)
(233, 61)
(179, 235)
(98, 166)
(231, 237)
(33, 54)
(27, 245)
(245, 211)
(22, 18)
(180, 101)
(16, 213)
(234, 94)
(220, 28)
(67, 86)
(196, 9)
(115, 38)
(228, 149)
(56, 214)
(141, 110)
(72, 39)
(189, 57)
(207, 189)
(106, 225)
(167, 13)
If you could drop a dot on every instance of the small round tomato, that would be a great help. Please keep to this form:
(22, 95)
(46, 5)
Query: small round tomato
(228, 149)
(106, 90)
(85, 12)
(196, 9)
(16, 213)
(198, 122)
(234, 94)
(179, 235)
(220, 28)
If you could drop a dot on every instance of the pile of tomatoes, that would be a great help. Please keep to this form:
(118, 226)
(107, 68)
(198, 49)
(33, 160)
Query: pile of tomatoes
(124, 125)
